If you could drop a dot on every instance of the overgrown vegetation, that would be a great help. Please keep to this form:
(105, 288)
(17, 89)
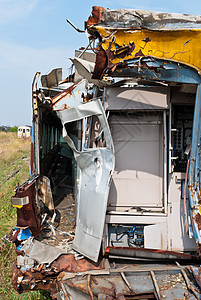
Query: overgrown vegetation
(14, 156)
(14, 129)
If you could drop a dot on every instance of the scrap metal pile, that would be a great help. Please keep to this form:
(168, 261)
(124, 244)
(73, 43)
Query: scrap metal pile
(68, 212)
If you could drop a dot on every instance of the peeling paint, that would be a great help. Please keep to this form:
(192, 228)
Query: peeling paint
(115, 164)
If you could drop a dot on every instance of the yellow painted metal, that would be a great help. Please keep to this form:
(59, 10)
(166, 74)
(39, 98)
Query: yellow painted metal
(182, 46)
(35, 100)
(18, 206)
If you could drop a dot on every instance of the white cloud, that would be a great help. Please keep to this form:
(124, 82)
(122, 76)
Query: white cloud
(12, 10)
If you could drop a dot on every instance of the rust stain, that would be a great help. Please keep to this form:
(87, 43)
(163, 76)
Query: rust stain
(105, 287)
(104, 58)
(15, 274)
(108, 288)
(68, 91)
(68, 263)
(96, 16)
(123, 51)
(145, 250)
(198, 220)
(100, 65)
(27, 216)
(161, 240)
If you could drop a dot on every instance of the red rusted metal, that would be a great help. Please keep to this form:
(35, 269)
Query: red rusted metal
(15, 274)
(104, 58)
(198, 220)
(64, 93)
(123, 51)
(13, 235)
(96, 16)
(148, 253)
(107, 287)
(48, 279)
(27, 280)
(100, 65)
(197, 275)
(27, 216)
(89, 286)
(68, 263)
(45, 284)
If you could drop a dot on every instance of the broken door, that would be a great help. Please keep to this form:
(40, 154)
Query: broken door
(95, 169)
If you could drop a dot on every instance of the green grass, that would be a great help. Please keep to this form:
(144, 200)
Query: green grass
(14, 155)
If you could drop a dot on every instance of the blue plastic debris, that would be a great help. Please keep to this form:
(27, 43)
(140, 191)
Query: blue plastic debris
(24, 234)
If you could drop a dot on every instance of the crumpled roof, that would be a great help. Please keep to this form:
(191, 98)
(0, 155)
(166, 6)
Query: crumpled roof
(132, 18)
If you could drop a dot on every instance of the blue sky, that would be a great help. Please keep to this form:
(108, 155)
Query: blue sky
(34, 36)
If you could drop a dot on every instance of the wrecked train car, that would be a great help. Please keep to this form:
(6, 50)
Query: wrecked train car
(114, 197)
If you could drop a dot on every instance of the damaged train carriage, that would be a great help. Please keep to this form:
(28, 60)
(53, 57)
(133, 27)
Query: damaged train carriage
(115, 165)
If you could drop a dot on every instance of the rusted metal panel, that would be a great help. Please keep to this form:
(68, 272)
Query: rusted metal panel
(27, 216)
(149, 253)
(132, 286)
(96, 16)
(68, 263)
(70, 97)
(19, 202)
(16, 273)
(132, 43)
(118, 284)
(44, 191)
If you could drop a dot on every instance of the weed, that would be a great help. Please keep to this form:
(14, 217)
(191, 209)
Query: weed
(14, 154)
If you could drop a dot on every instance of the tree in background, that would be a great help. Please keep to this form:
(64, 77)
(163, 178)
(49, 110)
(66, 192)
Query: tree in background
(14, 129)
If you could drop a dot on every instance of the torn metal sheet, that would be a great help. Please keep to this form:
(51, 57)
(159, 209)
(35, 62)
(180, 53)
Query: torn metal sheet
(25, 262)
(40, 252)
(52, 79)
(44, 192)
(131, 18)
(151, 68)
(147, 73)
(96, 167)
(85, 70)
(128, 34)
(70, 97)
(68, 263)
(128, 285)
